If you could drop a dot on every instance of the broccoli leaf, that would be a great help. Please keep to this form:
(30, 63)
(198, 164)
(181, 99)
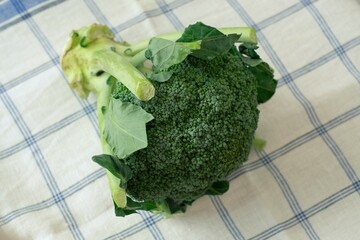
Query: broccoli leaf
(215, 46)
(213, 42)
(161, 76)
(218, 188)
(165, 53)
(198, 31)
(122, 212)
(121, 172)
(266, 84)
(132, 207)
(175, 207)
(124, 127)
(117, 167)
(249, 50)
(143, 205)
(248, 54)
(198, 40)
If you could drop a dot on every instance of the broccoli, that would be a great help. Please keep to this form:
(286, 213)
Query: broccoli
(177, 113)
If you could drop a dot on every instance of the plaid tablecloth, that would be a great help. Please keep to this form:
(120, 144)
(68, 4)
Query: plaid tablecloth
(303, 185)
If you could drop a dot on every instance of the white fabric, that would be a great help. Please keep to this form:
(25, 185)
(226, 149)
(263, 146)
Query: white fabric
(303, 185)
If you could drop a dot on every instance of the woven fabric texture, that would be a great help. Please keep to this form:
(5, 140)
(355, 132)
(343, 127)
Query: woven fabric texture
(303, 185)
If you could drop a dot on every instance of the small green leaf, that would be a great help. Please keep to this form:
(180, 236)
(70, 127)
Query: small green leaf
(233, 51)
(164, 53)
(198, 40)
(248, 54)
(161, 76)
(175, 207)
(198, 31)
(218, 188)
(120, 174)
(250, 61)
(116, 166)
(266, 84)
(122, 212)
(215, 46)
(258, 143)
(248, 49)
(213, 42)
(149, 205)
(124, 127)
(132, 205)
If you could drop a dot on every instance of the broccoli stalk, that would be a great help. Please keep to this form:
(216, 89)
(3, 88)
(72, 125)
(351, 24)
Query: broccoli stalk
(93, 61)
(92, 52)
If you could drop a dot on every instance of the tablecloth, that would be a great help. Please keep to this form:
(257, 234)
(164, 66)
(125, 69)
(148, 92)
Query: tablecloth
(303, 185)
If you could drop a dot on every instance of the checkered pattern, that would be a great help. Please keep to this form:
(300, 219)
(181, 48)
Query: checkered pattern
(304, 185)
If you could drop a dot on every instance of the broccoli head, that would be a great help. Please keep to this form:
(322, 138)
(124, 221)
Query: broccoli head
(204, 122)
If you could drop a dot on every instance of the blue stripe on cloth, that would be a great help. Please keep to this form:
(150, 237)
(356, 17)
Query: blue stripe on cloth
(318, 62)
(8, 11)
(42, 165)
(97, 13)
(148, 14)
(332, 39)
(281, 15)
(225, 217)
(39, 158)
(28, 75)
(289, 195)
(133, 229)
(329, 201)
(33, 11)
(335, 198)
(151, 225)
(170, 15)
(49, 130)
(100, 17)
(51, 201)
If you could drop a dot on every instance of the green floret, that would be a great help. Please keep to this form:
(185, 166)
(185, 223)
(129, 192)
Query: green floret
(203, 127)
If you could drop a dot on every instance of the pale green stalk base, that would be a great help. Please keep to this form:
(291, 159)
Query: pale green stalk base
(118, 194)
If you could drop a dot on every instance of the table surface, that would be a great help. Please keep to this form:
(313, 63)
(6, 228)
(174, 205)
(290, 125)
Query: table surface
(303, 185)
